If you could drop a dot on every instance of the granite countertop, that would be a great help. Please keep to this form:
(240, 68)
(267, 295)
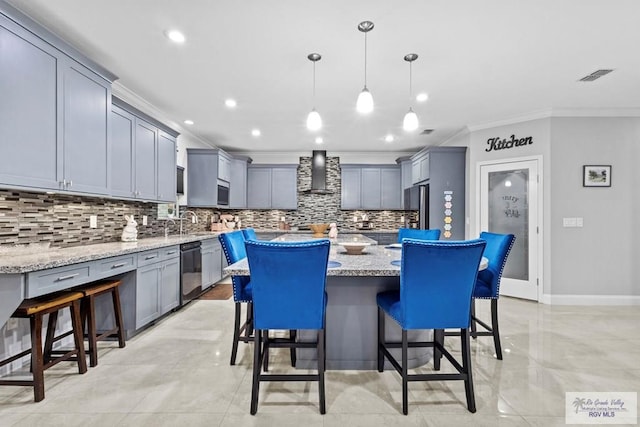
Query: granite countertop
(348, 231)
(374, 261)
(23, 259)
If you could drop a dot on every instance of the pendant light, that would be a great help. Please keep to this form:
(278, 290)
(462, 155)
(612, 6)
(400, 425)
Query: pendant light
(314, 121)
(364, 105)
(410, 122)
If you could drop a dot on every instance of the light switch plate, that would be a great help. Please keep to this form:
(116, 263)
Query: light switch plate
(568, 222)
(93, 221)
(579, 222)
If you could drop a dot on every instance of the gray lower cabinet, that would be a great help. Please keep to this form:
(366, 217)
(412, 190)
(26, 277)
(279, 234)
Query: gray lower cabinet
(157, 284)
(272, 187)
(67, 149)
(371, 187)
(211, 262)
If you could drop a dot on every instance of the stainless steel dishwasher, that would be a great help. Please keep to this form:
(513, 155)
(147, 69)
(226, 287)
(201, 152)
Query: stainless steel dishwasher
(190, 272)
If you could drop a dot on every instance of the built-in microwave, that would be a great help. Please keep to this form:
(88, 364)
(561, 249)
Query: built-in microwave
(223, 194)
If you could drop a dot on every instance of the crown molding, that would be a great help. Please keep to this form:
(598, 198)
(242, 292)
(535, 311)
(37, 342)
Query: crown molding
(135, 100)
(534, 115)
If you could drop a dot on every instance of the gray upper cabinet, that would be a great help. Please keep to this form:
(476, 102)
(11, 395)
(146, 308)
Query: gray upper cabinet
(272, 187)
(371, 187)
(166, 167)
(122, 152)
(420, 168)
(406, 179)
(238, 183)
(87, 105)
(224, 166)
(203, 176)
(28, 85)
(143, 156)
(145, 160)
(54, 110)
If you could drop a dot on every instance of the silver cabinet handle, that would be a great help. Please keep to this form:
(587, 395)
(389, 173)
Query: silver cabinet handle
(120, 264)
(150, 257)
(171, 253)
(70, 276)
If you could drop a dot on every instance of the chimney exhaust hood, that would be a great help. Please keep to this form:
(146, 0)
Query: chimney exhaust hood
(319, 173)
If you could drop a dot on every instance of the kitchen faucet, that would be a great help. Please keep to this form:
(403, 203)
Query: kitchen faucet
(166, 227)
(183, 215)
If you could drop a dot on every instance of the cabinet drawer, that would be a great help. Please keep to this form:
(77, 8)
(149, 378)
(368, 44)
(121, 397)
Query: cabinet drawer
(56, 279)
(169, 252)
(116, 265)
(149, 257)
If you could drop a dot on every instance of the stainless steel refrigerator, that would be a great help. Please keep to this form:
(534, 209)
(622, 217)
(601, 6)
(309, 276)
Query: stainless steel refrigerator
(416, 206)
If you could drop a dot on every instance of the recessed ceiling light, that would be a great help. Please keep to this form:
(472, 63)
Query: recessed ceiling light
(319, 140)
(230, 103)
(188, 122)
(175, 36)
(422, 97)
(389, 138)
(256, 132)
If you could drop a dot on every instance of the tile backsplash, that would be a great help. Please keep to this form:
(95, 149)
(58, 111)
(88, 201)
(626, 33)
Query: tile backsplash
(63, 220)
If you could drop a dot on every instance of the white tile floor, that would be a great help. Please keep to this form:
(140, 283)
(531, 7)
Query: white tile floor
(178, 373)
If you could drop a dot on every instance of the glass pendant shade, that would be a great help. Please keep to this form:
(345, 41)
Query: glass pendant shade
(364, 105)
(410, 122)
(314, 121)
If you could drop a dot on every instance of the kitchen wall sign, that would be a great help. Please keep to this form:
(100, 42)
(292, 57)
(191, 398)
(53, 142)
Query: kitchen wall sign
(502, 144)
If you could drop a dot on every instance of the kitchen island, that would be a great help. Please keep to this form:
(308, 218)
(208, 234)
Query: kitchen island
(351, 317)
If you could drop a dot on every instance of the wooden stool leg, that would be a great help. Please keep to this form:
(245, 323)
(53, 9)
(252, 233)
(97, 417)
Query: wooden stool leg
(51, 333)
(37, 361)
(76, 323)
(89, 313)
(117, 314)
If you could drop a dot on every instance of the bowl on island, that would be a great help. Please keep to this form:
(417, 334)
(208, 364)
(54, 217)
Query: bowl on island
(354, 248)
(318, 229)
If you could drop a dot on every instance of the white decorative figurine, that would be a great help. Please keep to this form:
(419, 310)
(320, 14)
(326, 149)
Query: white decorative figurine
(130, 232)
(333, 230)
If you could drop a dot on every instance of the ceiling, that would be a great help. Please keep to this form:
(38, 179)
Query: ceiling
(480, 62)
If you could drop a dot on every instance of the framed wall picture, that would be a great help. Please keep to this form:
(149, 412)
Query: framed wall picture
(596, 176)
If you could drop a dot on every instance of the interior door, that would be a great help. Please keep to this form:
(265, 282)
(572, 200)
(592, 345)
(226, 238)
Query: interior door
(509, 203)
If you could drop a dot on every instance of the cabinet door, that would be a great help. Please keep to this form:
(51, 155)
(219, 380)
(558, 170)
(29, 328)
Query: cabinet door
(390, 188)
(207, 266)
(284, 192)
(350, 192)
(122, 149)
(86, 113)
(224, 168)
(170, 285)
(259, 188)
(166, 167)
(424, 168)
(371, 188)
(147, 294)
(238, 184)
(415, 171)
(145, 160)
(216, 271)
(28, 105)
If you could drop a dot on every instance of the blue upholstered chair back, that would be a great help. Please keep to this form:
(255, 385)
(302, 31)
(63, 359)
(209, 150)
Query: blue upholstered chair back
(249, 234)
(414, 233)
(288, 281)
(234, 250)
(496, 251)
(436, 283)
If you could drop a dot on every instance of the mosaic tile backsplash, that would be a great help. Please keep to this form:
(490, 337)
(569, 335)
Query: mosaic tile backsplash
(63, 221)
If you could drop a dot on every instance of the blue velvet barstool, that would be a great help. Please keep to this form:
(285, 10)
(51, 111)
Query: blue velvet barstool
(288, 280)
(414, 233)
(249, 234)
(488, 284)
(436, 285)
(234, 251)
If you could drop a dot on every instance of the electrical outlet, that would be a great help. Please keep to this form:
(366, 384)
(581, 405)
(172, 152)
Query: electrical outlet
(144, 220)
(193, 219)
(355, 219)
(93, 221)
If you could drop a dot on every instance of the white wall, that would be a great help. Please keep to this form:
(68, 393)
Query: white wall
(600, 258)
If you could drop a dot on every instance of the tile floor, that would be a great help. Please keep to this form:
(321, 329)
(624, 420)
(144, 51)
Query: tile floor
(177, 373)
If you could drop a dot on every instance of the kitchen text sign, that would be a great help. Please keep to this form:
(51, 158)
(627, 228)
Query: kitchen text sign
(502, 144)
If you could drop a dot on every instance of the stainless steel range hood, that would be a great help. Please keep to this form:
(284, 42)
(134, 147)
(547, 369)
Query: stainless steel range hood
(319, 173)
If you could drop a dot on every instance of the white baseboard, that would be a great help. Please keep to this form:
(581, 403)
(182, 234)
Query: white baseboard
(590, 299)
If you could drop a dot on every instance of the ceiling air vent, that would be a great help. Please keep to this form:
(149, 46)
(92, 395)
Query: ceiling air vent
(426, 132)
(595, 75)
